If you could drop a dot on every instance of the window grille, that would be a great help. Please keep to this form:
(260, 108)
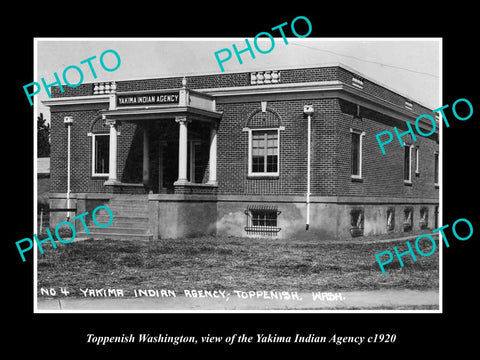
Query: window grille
(262, 220)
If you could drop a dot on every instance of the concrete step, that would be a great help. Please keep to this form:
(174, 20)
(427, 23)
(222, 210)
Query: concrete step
(140, 223)
(103, 219)
(128, 203)
(114, 236)
(120, 230)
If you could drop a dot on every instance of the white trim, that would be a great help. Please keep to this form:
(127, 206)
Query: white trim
(79, 100)
(436, 152)
(249, 172)
(93, 173)
(417, 159)
(409, 181)
(360, 155)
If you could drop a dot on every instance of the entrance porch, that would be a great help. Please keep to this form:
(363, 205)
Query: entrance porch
(178, 144)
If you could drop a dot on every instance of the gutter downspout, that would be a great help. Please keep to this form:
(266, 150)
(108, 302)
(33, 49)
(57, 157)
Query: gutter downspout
(68, 120)
(308, 110)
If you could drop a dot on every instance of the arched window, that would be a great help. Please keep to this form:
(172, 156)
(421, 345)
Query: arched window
(100, 147)
(263, 128)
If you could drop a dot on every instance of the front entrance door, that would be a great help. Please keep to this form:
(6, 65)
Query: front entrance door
(197, 159)
(168, 166)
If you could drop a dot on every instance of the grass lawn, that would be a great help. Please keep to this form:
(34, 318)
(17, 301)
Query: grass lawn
(232, 263)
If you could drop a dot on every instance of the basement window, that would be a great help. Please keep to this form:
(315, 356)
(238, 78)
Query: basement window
(356, 222)
(262, 220)
(424, 218)
(390, 219)
(408, 219)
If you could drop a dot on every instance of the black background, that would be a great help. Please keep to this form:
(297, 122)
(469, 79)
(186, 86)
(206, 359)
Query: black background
(65, 334)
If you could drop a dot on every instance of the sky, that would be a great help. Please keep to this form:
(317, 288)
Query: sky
(409, 66)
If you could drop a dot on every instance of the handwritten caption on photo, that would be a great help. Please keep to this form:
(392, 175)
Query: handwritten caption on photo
(191, 293)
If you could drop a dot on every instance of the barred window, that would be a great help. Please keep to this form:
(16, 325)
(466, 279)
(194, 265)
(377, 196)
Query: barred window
(262, 219)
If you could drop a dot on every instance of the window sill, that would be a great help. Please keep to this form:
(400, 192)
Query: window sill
(407, 183)
(263, 229)
(437, 186)
(97, 176)
(356, 231)
(356, 178)
(263, 176)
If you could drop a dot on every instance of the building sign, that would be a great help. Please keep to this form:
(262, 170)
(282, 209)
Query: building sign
(148, 99)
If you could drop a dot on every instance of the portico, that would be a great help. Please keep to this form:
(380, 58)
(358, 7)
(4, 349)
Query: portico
(178, 124)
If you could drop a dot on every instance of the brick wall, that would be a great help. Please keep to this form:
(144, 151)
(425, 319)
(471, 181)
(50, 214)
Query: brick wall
(233, 149)
(331, 123)
(80, 178)
(328, 73)
(382, 174)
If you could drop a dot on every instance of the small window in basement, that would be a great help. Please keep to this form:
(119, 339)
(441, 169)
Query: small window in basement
(424, 218)
(356, 222)
(408, 219)
(262, 220)
(390, 219)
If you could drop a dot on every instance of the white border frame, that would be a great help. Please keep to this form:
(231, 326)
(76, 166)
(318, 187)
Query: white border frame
(306, 40)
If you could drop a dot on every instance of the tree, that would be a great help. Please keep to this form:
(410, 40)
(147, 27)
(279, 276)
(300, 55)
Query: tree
(43, 137)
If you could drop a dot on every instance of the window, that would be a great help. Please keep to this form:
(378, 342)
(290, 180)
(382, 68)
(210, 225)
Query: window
(100, 154)
(407, 164)
(417, 160)
(264, 150)
(197, 161)
(408, 219)
(262, 220)
(436, 168)
(356, 153)
(356, 222)
(390, 219)
(424, 218)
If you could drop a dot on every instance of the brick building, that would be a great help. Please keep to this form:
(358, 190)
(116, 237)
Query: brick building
(227, 154)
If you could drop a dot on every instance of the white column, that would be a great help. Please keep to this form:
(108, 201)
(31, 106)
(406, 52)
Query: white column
(212, 173)
(112, 165)
(182, 150)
